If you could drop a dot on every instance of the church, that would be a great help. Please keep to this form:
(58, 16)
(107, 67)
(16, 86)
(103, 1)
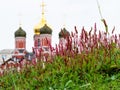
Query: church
(42, 42)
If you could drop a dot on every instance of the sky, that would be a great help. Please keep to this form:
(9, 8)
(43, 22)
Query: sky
(58, 13)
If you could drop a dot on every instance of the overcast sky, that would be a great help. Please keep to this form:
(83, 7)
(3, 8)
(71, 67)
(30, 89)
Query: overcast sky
(57, 12)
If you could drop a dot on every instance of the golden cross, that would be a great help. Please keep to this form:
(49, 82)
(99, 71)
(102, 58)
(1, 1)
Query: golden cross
(43, 5)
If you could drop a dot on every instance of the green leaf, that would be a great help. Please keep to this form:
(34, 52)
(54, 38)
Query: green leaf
(68, 83)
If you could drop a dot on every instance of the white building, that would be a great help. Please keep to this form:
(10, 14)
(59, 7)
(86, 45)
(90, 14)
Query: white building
(5, 54)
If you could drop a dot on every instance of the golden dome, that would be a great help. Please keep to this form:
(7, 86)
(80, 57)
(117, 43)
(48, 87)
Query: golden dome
(42, 22)
(39, 25)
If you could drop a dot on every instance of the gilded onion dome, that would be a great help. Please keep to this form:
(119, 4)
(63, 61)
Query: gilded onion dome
(63, 33)
(45, 30)
(20, 33)
(42, 21)
(39, 25)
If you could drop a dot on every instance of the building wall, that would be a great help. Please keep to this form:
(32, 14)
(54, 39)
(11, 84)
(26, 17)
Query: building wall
(42, 43)
(36, 40)
(45, 39)
(20, 42)
(62, 42)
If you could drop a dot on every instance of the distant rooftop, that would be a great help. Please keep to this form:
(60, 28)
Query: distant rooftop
(6, 51)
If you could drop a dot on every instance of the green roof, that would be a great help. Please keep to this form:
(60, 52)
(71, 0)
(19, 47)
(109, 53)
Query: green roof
(63, 33)
(45, 30)
(20, 33)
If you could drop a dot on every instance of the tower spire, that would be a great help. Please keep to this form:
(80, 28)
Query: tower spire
(43, 5)
(42, 21)
(20, 17)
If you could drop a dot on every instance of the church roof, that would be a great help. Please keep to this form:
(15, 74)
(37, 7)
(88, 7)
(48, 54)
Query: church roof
(45, 30)
(63, 33)
(39, 25)
(7, 51)
(42, 21)
(20, 33)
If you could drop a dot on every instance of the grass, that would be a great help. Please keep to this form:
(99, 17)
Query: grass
(60, 75)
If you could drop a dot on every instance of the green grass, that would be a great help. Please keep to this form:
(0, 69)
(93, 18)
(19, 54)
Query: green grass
(68, 75)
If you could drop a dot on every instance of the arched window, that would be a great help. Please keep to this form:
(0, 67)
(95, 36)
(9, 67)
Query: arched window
(38, 42)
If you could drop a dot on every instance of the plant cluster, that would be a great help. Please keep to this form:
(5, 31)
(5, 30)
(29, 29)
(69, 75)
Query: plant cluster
(94, 51)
